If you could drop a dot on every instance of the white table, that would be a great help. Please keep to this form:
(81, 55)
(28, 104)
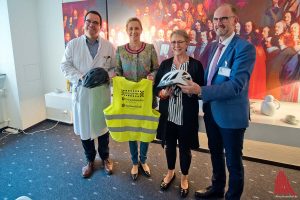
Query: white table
(270, 129)
(59, 106)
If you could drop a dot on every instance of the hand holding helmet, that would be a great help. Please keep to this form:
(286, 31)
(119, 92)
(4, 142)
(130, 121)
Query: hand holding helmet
(191, 88)
(166, 93)
(95, 77)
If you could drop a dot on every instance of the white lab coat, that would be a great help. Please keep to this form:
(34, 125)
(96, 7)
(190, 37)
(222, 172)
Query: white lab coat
(76, 62)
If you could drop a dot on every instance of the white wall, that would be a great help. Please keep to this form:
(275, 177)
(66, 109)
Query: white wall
(23, 20)
(21, 61)
(52, 46)
(31, 49)
(11, 103)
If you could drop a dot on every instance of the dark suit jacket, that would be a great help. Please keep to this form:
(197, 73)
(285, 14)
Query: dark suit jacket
(203, 57)
(272, 15)
(190, 104)
(228, 95)
(276, 65)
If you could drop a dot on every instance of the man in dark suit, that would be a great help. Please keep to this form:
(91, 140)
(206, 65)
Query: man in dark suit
(226, 104)
(202, 51)
(272, 14)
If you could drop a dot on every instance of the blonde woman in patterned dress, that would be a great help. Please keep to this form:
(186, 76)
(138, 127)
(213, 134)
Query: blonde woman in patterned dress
(137, 60)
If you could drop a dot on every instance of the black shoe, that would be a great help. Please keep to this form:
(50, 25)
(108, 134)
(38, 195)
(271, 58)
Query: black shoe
(145, 172)
(209, 192)
(134, 176)
(184, 192)
(165, 186)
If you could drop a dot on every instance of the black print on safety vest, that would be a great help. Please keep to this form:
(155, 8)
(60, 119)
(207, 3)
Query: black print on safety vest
(132, 93)
(132, 98)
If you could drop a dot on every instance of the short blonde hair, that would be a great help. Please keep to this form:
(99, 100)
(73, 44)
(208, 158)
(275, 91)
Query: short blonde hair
(134, 19)
(182, 33)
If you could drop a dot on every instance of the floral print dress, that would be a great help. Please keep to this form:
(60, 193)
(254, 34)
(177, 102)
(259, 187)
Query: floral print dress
(135, 65)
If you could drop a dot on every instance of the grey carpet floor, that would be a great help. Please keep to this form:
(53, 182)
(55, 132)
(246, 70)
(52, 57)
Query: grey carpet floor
(47, 165)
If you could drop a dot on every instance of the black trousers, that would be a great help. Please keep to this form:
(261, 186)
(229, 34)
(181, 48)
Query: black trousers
(103, 149)
(174, 133)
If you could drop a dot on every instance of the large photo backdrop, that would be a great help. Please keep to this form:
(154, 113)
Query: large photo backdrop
(272, 26)
(73, 17)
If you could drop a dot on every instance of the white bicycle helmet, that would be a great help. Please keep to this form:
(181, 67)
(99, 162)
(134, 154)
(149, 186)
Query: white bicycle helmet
(174, 77)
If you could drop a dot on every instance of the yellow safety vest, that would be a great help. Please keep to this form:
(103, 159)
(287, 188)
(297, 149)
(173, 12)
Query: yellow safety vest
(130, 117)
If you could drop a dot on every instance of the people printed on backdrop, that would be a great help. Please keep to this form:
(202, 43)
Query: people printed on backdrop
(276, 17)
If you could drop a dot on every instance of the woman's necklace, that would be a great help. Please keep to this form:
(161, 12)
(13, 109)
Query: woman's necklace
(135, 46)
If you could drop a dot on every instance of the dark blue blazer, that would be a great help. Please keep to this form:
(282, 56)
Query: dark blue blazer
(228, 95)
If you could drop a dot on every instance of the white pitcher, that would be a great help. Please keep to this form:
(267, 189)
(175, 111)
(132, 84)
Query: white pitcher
(269, 105)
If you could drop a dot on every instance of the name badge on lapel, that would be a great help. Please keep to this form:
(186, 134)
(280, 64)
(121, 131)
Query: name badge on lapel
(224, 71)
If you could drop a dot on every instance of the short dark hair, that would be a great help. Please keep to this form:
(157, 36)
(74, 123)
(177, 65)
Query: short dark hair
(274, 41)
(95, 13)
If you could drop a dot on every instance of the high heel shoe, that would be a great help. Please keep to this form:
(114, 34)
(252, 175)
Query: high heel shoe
(134, 175)
(145, 172)
(184, 192)
(164, 186)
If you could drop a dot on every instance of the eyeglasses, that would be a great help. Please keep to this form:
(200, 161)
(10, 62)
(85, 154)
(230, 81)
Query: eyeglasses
(88, 22)
(222, 19)
(177, 42)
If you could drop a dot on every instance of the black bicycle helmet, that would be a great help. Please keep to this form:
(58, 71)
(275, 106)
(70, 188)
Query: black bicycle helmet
(174, 77)
(95, 77)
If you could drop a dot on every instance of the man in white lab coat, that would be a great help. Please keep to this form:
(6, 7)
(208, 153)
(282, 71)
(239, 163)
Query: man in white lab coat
(82, 54)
